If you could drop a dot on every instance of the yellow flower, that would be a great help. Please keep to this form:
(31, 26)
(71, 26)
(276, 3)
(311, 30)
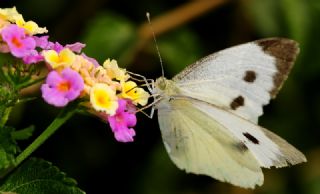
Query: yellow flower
(114, 72)
(132, 92)
(12, 15)
(104, 99)
(82, 63)
(31, 27)
(63, 59)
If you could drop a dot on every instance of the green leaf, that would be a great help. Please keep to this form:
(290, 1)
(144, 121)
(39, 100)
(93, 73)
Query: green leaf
(8, 98)
(23, 134)
(109, 36)
(4, 114)
(37, 176)
(5, 57)
(17, 74)
(14, 76)
(8, 148)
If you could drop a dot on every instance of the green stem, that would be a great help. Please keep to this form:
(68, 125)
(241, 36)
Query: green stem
(63, 116)
(5, 116)
(27, 84)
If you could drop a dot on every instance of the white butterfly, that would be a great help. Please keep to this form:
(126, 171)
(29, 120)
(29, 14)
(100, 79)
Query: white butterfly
(208, 113)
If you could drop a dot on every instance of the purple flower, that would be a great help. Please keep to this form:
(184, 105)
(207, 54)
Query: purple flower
(33, 57)
(55, 46)
(92, 60)
(42, 41)
(122, 120)
(60, 89)
(19, 43)
(75, 47)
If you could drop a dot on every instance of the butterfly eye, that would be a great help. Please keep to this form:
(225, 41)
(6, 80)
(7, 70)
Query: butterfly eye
(161, 83)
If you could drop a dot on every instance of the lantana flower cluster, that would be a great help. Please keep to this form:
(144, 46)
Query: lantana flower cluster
(106, 90)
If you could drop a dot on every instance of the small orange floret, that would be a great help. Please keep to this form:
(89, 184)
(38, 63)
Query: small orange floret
(64, 86)
(16, 42)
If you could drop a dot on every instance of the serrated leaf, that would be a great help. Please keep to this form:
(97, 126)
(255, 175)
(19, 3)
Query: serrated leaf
(8, 148)
(37, 176)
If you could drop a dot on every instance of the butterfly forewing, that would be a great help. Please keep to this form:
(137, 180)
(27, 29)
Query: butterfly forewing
(241, 78)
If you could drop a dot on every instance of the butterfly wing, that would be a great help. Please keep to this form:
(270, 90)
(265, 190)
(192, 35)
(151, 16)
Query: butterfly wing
(204, 139)
(208, 112)
(197, 143)
(242, 78)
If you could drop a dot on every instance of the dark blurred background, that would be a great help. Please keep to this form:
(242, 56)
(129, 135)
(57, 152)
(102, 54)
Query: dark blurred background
(85, 148)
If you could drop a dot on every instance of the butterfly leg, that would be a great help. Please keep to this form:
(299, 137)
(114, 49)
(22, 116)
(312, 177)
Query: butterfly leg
(144, 79)
(148, 106)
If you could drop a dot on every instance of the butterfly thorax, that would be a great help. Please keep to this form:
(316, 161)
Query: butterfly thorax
(165, 87)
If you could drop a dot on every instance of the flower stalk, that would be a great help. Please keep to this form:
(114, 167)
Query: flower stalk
(62, 117)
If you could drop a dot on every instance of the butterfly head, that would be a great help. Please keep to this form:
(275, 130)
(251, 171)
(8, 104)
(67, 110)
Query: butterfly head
(164, 87)
(161, 83)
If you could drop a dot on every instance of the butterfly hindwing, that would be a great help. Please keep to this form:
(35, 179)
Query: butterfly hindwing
(204, 139)
(197, 143)
(242, 78)
(268, 148)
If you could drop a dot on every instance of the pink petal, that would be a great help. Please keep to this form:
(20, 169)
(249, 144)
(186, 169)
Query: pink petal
(131, 120)
(75, 47)
(92, 60)
(52, 96)
(42, 41)
(33, 57)
(121, 121)
(122, 105)
(55, 46)
(125, 135)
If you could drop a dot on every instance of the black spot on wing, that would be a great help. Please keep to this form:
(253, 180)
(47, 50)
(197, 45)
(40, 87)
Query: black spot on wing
(241, 147)
(237, 102)
(250, 76)
(251, 138)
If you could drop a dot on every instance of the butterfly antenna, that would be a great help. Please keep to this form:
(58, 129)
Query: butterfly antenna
(155, 41)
